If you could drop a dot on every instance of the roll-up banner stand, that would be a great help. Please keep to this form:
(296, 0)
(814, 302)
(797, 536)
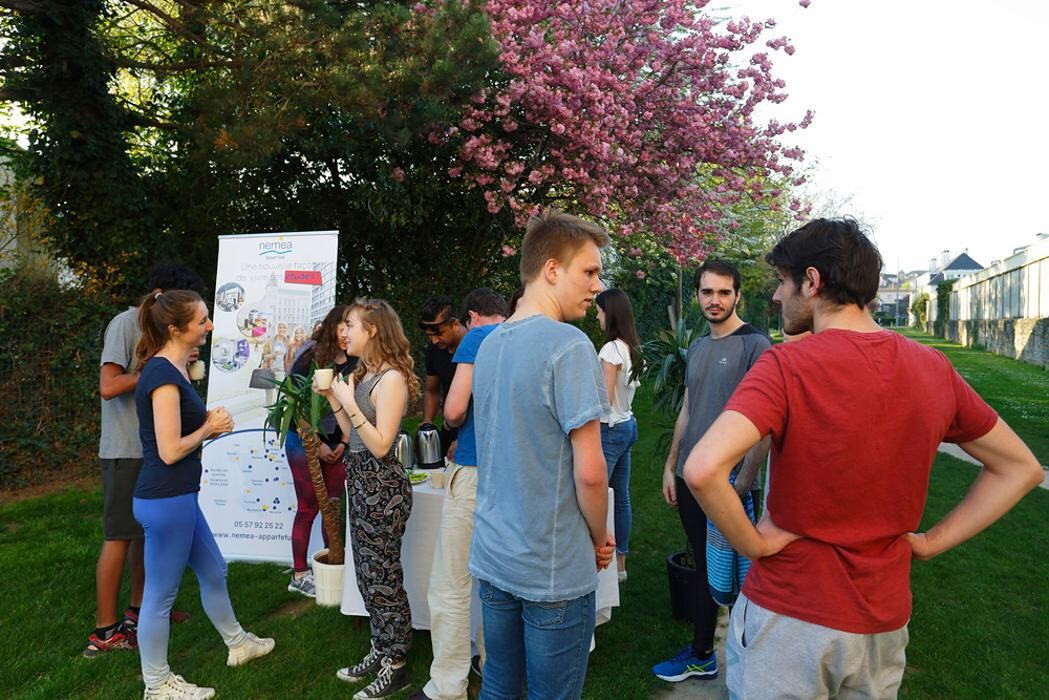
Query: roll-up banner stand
(272, 289)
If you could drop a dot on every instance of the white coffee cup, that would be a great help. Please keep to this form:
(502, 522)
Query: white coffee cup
(437, 479)
(324, 377)
(196, 370)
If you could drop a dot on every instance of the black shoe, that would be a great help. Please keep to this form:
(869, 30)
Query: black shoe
(389, 682)
(362, 669)
(475, 665)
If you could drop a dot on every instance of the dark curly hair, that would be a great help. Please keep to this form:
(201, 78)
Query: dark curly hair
(848, 261)
(327, 338)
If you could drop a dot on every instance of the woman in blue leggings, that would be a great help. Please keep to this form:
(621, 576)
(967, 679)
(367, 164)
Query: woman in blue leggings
(173, 423)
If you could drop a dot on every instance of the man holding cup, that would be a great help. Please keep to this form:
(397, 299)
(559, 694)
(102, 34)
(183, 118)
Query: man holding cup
(120, 455)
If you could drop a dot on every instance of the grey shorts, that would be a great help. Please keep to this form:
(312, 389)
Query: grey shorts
(119, 477)
(771, 656)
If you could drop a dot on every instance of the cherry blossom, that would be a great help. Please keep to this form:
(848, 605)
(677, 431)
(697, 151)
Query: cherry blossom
(639, 113)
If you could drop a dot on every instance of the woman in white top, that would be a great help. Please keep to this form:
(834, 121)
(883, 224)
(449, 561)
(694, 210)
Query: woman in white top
(622, 363)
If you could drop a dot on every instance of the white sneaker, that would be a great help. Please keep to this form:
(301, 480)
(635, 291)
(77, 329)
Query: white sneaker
(251, 648)
(178, 688)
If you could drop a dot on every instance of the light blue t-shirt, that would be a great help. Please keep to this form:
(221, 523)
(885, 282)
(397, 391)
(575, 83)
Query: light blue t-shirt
(466, 353)
(534, 381)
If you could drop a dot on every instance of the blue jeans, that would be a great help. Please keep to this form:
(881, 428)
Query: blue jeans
(176, 535)
(548, 642)
(616, 442)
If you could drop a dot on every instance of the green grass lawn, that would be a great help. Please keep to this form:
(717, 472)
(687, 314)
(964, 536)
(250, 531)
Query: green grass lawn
(978, 630)
(1018, 391)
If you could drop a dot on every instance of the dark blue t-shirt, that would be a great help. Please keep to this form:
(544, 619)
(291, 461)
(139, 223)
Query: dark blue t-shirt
(159, 480)
(466, 353)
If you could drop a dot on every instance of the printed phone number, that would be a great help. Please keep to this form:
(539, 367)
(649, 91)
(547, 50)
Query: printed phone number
(258, 524)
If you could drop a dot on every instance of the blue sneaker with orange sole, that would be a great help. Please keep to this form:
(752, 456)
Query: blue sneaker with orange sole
(685, 664)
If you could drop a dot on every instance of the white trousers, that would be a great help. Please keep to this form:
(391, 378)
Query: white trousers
(451, 588)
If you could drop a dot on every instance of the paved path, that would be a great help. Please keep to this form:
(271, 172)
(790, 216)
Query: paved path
(959, 453)
(696, 689)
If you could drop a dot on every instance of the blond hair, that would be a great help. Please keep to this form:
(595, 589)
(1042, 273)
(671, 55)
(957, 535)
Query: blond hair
(389, 345)
(554, 234)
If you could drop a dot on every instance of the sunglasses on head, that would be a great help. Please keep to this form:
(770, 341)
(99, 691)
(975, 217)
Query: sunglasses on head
(434, 327)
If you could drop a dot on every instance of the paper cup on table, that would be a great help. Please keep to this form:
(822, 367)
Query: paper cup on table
(437, 479)
(324, 377)
(196, 370)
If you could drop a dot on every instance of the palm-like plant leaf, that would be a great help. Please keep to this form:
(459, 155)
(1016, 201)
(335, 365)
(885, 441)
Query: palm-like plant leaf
(296, 406)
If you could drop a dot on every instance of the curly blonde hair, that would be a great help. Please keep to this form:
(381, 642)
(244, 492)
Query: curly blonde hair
(388, 346)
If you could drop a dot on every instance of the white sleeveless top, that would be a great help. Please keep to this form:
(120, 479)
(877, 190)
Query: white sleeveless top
(617, 352)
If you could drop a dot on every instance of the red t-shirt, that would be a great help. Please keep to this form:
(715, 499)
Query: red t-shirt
(855, 419)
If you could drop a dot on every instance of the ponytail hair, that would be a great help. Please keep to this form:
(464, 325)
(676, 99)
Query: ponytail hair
(157, 313)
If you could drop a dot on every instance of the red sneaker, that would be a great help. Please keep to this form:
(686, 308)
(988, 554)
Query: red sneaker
(119, 640)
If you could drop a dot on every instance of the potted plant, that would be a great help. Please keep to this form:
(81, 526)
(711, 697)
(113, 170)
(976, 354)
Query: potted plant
(298, 407)
(665, 368)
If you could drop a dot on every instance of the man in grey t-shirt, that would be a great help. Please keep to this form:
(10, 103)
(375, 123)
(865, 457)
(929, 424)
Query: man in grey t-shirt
(716, 364)
(120, 456)
(540, 531)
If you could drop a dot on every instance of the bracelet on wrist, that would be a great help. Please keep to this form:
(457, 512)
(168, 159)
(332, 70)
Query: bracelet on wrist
(338, 409)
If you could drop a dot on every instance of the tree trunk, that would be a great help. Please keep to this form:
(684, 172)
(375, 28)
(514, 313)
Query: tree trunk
(331, 511)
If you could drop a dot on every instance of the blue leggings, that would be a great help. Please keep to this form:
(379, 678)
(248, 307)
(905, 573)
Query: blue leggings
(176, 535)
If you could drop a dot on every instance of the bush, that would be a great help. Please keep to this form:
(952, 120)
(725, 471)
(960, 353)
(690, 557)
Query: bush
(49, 370)
(943, 307)
(920, 309)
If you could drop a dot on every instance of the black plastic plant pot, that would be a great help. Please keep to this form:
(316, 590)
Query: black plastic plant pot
(682, 582)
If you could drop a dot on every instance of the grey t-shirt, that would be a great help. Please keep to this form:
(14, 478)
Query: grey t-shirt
(534, 382)
(715, 367)
(119, 420)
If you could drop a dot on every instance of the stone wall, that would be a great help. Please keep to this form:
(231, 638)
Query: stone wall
(1025, 339)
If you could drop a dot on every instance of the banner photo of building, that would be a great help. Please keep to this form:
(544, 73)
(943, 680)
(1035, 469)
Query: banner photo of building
(271, 292)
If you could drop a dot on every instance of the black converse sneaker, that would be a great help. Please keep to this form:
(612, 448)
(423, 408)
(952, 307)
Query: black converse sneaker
(392, 679)
(362, 669)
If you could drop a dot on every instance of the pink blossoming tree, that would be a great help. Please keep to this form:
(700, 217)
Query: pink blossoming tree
(641, 113)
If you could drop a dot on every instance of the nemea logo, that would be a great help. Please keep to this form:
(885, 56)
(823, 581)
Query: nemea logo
(278, 247)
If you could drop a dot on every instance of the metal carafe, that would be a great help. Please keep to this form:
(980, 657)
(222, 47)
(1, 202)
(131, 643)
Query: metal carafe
(404, 450)
(428, 447)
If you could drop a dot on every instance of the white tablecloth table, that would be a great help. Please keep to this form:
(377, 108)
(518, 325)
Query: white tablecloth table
(420, 540)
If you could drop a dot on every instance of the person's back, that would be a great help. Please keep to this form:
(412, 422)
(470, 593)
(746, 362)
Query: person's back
(887, 403)
(530, 537)
(855, 414)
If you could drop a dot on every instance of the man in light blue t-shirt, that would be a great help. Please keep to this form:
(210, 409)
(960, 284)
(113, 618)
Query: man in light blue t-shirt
(540, 533)
(451, 586)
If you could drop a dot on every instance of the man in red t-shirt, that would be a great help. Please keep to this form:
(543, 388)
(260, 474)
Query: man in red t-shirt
(856, 414)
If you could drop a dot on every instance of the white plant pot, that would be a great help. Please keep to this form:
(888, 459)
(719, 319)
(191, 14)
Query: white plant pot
(328, 578)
